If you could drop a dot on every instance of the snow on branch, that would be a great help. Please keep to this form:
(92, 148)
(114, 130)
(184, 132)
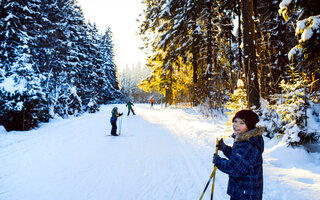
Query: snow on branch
(307, 27)
(295, 51)
(283, 10)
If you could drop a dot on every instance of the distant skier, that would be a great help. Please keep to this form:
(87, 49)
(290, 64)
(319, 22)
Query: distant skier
(152, 102)
(129, 105)
(113, 121)
(244, 163)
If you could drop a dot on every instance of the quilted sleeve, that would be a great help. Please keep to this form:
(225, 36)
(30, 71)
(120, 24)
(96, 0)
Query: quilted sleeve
(241, 160)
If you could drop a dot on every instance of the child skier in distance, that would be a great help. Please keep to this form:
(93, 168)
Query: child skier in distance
(129, 105)
(152, 102)
(113, 121)
(244, 163)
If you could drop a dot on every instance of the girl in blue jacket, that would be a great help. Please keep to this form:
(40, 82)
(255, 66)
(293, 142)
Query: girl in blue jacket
(244, 163)
(113, 121)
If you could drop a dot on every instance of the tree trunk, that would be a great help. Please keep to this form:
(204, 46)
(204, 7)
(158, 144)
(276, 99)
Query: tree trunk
(209, 39)
(239, 37)
(195, 57)
(251, 71)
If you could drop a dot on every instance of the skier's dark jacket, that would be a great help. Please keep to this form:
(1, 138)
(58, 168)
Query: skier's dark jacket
(115, 115)
(129, 105)
(244, 165)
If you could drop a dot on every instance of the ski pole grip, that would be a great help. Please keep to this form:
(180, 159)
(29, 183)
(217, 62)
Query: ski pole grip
(217, 146)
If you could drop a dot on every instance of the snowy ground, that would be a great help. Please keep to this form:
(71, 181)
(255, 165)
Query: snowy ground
(162, 154)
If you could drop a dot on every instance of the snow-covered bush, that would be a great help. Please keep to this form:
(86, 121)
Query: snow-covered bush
(92, 106)
(22, 110)
(293, 107)
(269, 119)
(68, 103)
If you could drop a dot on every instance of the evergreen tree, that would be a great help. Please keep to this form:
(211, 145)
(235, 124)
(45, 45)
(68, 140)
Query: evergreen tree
(51, 62)
(292, 107)
(110, 91)
(52, 54)
(274, 39)
(220, 81)
(307, 29)
(91, 68)
(23, 104)
(66, 98)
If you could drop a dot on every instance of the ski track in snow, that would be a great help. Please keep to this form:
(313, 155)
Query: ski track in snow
(72, 159)
(194, 162)
(162, 154)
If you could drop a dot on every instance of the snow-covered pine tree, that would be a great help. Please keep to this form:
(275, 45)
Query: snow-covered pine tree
(177, 49)
(22, 104)
(307, 28)
(216, 43)
(274, 39)
(110, 89)
(57, 54)
(52, 59)
(66, 98)
(306, 16)
(87, 76)
(292, 105)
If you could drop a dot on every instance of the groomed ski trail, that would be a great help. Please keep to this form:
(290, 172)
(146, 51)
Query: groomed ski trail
(196, 154)
(72, 159)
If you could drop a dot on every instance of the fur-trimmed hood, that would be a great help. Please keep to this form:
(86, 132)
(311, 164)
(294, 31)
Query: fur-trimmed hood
(253, 136)
(247, 135)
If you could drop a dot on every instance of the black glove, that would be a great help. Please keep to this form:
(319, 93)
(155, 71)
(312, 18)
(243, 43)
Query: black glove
(120, 114)
(215, 158)
(222, 146)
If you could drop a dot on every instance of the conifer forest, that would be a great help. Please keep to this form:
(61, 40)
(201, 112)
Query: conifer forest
(220, 55)
(230, 54)
(52, 63)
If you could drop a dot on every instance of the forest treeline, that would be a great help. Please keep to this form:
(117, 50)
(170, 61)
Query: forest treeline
(52, 62)
(129, 78)
(233, 54)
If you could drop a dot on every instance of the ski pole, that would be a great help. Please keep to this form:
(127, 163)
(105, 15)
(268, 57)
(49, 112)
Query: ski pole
(120, 123)
(212, 176)
(214, 171)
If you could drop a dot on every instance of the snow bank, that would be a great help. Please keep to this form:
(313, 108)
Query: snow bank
(2, 130)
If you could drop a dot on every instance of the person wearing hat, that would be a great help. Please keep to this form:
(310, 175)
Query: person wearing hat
(113, 120)
(244, 159)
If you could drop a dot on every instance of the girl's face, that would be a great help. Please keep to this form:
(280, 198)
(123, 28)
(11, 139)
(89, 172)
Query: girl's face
(239, 126)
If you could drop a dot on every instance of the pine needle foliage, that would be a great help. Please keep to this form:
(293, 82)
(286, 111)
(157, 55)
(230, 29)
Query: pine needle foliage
(292, 105)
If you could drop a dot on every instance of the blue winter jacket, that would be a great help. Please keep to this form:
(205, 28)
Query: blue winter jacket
(244, 165)
(114, 116)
